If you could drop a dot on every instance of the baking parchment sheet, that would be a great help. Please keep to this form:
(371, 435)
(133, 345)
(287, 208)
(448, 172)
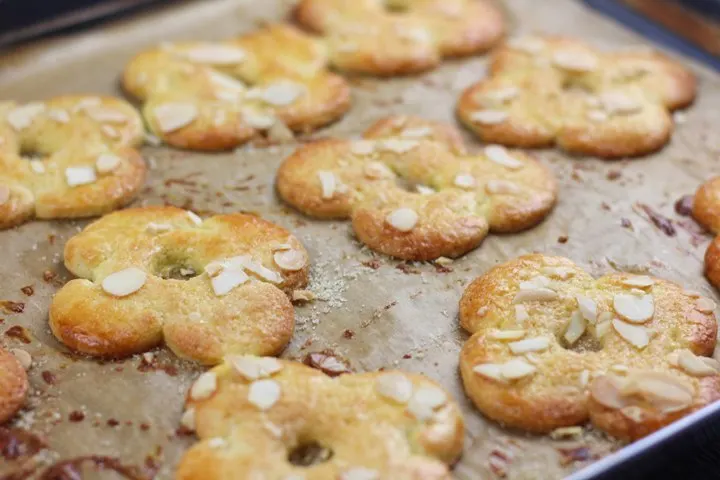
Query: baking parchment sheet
(372, 311)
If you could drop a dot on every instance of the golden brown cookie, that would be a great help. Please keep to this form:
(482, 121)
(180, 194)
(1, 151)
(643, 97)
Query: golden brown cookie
(553, 347)
(413, 192)
(284, 420)
(206, 288)
(218, 95)
(401, 36)
(706, 210)
(551, 90)
(68, 157)
(13, 385)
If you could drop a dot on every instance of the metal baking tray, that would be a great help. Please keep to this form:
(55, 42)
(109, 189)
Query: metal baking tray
(372, 311)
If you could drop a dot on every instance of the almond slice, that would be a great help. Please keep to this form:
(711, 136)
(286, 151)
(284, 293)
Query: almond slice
(636, 335)
(634, 308)
(376, 170)
(107, 162)
(216, 54)
(491, 371)
(535, 344)
(588, 308)
(489, 117)
(576, 327)
(416, 132)
(395, 386)
(23, 357)
(174, 116)
(664, 391)
(194, 217)
(423, 190)
(263, 394)
(619, 103)
(695, 365)
(705, 305)
(278, 94)
(290, 260)
(124, 282)
(204, 386)
(563, 273)
(500, 155)
(640, 281)
(597, 116)
(328, 183)
(538, 281)
(517, 368)
(507, 334)
(75, 176)
(500, 95)
(226, 280)
(154, 228)
(362, 147)
(37, 166)
(575, 60)
(188, 419)
(602, 328)
(425, 400)
(103, 114)
(502, 187)
(4, 194)
(530, 45)
(258, 120)
(521, 314)
(535, 295)
(254, 368)
(360, 473)
(22, 117)
(403, 219)
(397, 145)
(59, 115)
(247, 262)
(464, 180)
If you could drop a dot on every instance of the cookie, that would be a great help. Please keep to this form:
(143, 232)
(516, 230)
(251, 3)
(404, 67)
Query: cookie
(706, 211)
(281, 419)
(413, 192)
(553, 347)
(401, 37)
(68, 157)
(13, 385)
(206, 288)
(218, 95)
(545, 91)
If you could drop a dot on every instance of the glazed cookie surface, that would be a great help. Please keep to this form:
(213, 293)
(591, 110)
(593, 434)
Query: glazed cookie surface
(553, 347)
(284, 420)
(413, 192)
(206, 288)
(399, 37)
(218, 95)
(13, 385)
(706, 211)
(552, 90)
(68, 157)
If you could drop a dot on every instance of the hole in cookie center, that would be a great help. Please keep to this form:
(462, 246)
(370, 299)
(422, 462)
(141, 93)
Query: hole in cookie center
(32, 154)
(396, 6)
(174, 268)
(574, 86)
(586, 343)
(309, 453)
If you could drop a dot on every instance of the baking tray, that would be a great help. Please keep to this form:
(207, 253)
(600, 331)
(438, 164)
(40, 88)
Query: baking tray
(373, 311)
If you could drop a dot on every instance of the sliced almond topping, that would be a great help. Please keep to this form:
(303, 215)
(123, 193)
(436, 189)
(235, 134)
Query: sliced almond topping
(602, 328)
(464, 180)
(263, 394)
(86, 102)
(521, 314)
(566, 432)
(397, 145)
(425, 400)
(124, 282)
(618, 103)
(254, 368)
(216, 54)
(22, 117)
(395, 386)
(575, 60)
(154, 228)
(535, 295)
(104, 114)
(37, 166)
(575, 328)
(535, 344)
(360, 473)
(226, 280)
(327, 181)
(416, 132)
(491, 371)
(584, 378)
(705, 305)
(502, 187)
(622, 369)
(107, 162)
(188, 419)
(499, 96)
(75, 176)
(216, 442)
(258, 120)
(4, 194)
(597, 116)
(194, 217)
(204, 386)
(278, 94)
(174, 116)
(500, 155)
(290, 260)
(695, 365)
(23, 357)
(362, 147)
(109, 131)
(563, 273)
(376, 170)
(636, 335)
(482, 311)
(59, 115)
(640, 281)
(507, 334)
(246, 262)
(588, 308)
(423, 190)
(634, 308)
(489, 117)
(664, 391)
(606, 391)
(527, 44)
(403, 219)
(517, 368)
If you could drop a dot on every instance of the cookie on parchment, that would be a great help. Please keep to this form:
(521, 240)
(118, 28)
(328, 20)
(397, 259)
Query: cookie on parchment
(206, 288)
(413, 192)
(554, 347)
(285, 420)
(552, 90)
(706, 211)
(218, 95)
(401, 37)
(13, 385)
(68, 157)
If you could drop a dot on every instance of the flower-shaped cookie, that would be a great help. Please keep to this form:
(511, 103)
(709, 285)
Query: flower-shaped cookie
(13, 385)
(413, 192)
(549, 90)
(545, 333)
(218, 95)
(262, 417)
(398, 37)
(68, 157)
(207, 288)
(706, 210)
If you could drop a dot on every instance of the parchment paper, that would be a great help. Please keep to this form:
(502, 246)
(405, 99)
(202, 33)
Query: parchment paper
(402, 318)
